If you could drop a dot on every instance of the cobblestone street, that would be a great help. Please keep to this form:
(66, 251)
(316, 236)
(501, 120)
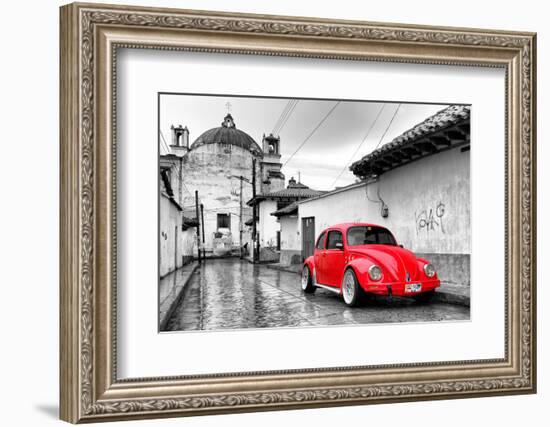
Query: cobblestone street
(232, 294)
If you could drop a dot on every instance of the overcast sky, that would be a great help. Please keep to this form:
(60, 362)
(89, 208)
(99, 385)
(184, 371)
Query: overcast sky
(328, 152)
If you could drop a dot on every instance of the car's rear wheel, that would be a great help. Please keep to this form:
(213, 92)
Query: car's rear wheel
(307, 281)
(351, 291)
(425, 297)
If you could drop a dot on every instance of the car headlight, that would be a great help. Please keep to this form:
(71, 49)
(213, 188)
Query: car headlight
(429, 269)
(375, 273)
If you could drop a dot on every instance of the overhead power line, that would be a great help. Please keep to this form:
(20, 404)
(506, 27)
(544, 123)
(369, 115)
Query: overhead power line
(359, 146)
(283, 113)
(387, 128)
(312, 132)
(166, 146)
(278, 130)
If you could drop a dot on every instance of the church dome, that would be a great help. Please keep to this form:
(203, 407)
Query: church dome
(228, 133)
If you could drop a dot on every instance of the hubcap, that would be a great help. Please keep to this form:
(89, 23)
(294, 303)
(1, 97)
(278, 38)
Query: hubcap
(349, 287)
(305, 278)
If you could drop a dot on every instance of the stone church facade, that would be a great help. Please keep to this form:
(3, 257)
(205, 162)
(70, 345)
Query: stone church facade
(217, 172)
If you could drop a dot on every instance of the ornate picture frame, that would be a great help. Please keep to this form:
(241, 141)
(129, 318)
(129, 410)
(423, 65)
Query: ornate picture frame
(90, 37)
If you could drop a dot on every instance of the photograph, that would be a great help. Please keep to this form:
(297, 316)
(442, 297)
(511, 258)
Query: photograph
(299, 212)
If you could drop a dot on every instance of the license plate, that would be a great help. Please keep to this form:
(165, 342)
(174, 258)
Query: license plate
(413, 287)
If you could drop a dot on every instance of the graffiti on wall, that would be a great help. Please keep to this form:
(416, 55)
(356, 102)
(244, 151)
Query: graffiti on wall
(430, 219)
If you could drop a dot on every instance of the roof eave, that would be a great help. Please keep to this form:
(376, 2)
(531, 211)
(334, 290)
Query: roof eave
(384, 160)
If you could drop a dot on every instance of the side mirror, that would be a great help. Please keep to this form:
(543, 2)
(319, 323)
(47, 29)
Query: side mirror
(401, 246)
(339, 245)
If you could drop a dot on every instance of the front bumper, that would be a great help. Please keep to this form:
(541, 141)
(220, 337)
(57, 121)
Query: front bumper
(400, 288)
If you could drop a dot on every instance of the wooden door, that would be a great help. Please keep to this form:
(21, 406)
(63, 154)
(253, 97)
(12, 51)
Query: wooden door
(308, 236)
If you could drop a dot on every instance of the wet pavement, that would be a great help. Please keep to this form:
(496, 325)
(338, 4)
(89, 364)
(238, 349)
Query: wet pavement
(234, 294)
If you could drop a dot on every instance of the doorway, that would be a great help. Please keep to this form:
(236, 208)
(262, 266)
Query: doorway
(308, 236)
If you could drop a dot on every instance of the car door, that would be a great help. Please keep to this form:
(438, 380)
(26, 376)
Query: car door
(333, 267)
(318, 257)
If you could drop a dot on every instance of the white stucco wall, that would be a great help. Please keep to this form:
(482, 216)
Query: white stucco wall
(291, 245)
(428, 201)
(349, 205)
(175, 245)
(268, 225)
(290, 235)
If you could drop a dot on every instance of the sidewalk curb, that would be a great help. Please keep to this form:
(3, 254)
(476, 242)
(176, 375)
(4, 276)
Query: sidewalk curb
(451, 298)
(440, 296)
(281, 268)
(163, 319)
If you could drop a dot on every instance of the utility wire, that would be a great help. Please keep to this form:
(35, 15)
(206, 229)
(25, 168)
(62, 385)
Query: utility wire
(312, 132)
(287, 117)
(162, 137)
(166, 146)
(283, 123)
(389, 124)
(282, 117)
(283, 113)
(359, 146)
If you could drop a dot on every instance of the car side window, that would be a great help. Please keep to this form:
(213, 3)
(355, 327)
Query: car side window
(334, 237)
(321, 241)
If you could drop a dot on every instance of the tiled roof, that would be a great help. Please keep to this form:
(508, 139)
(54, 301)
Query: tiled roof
(285, 193)
(296, 192)
(189, 222)
(287, 210)
(446, 129)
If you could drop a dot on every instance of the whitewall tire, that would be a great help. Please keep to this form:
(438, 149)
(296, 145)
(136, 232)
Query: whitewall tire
(307, 281)
(351, 291)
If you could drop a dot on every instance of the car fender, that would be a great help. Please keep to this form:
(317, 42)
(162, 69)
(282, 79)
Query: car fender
(360, 266)
(422, 261)
(310, 262)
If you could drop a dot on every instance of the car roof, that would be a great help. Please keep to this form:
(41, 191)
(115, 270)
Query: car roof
(345, 225)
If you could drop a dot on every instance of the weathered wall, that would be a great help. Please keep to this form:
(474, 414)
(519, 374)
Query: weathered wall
(189, 244)
(268, 225)
(209, 169)
(176, 245)
(429, 203)
(349, 205)
(453, 268)
(290, 240)
(429, 209)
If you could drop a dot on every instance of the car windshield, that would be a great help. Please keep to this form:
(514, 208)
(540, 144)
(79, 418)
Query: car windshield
(369, 235)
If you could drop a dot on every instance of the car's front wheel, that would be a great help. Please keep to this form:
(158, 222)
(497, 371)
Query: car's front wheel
(307, 281)
(351, 291)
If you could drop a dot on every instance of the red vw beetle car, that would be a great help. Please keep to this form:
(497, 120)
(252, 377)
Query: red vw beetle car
(361, 259)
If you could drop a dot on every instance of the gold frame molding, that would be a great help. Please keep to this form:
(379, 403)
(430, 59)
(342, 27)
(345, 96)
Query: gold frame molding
(90, 36)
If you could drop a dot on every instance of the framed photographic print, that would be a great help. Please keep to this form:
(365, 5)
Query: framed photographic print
(266, 212)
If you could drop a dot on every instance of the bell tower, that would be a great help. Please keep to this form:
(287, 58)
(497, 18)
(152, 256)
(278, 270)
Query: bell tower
(272, 177)
(180, 140)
